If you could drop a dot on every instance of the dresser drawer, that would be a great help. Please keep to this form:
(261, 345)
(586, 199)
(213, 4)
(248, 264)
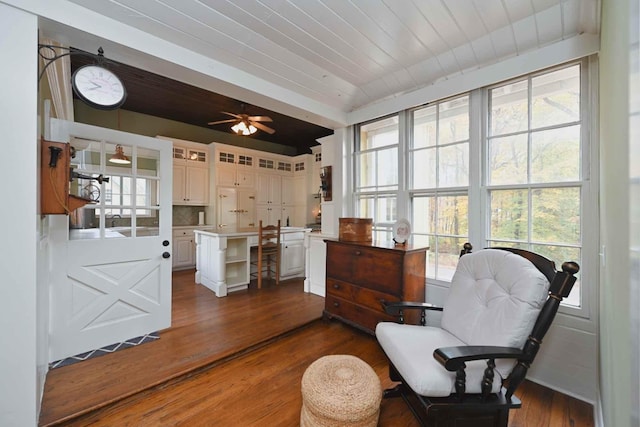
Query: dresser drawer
(355, 314)
(374, 268)
(356, 294)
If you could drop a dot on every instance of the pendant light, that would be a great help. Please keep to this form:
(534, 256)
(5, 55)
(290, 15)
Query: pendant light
(119, 157)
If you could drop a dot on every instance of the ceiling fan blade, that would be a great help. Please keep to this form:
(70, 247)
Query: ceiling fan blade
(222, 121)
(237, 116)
(260, 118)
(263, 127)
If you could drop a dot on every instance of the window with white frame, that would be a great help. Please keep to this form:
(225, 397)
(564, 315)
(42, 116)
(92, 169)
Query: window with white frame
(526, 141)
(119, 196)
(376, 183)
(533, 165)
(438, 186)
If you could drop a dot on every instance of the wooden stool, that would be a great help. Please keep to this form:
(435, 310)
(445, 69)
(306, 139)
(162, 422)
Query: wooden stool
(340, 391)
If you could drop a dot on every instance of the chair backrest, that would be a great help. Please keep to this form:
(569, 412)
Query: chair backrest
(269, 237)
(494, 299)
(506, 297)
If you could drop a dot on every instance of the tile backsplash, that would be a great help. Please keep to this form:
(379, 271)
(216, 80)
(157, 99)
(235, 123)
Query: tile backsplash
(186, 215)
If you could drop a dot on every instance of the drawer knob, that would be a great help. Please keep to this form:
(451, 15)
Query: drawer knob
(336, 286)
(358, 253)
(336, 304)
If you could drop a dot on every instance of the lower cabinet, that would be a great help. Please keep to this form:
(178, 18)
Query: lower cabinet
(184, 248)
(293, 256)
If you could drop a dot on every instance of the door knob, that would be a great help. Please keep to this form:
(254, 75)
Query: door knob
(166, 255)
(165, 243)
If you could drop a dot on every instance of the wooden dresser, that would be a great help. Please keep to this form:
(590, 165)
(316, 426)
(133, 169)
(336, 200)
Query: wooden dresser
(360, 275)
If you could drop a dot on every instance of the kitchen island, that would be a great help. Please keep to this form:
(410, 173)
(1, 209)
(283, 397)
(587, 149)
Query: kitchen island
(223, 257)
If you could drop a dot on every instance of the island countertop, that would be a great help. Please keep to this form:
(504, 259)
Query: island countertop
(251, 231)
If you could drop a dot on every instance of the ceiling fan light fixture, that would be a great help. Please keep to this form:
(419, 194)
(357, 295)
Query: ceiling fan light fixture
(241, 128)
(119, 157)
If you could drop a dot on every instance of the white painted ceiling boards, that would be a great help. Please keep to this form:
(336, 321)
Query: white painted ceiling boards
(334, 57)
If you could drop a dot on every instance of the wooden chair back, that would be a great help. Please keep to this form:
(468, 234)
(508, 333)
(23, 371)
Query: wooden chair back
(561, 283)
(268, 250)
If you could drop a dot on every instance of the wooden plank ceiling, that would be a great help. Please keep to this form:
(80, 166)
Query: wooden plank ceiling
(155, 95)
(345, 54)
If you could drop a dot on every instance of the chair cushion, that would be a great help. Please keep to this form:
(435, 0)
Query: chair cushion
(410, 348)
(494, 299)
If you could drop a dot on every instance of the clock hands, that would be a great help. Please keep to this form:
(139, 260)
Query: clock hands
(99, 87)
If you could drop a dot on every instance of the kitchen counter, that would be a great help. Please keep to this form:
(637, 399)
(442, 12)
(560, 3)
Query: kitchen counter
(223, 256)
(111, 232)
(252, 231)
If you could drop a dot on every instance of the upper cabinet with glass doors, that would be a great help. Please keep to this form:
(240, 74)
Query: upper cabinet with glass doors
(234, 168)
(190, 172)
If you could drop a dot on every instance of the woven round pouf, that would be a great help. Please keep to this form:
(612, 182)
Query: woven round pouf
(340, 391)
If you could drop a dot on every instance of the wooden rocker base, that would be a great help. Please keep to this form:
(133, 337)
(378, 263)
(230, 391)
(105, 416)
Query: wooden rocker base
(449, 411)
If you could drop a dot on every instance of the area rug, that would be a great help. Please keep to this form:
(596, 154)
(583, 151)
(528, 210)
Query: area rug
(131, 342)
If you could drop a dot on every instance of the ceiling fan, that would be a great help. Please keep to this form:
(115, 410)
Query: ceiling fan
(246, 124)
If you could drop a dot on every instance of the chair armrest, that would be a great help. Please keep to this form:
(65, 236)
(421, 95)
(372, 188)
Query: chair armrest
(453, 358)
(394, 308)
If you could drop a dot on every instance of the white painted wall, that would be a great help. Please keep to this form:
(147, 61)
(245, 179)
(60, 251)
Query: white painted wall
(20, 387)
(336, 155)
(634, 208)
(615, 364)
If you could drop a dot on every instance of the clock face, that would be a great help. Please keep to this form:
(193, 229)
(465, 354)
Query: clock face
(98, 87)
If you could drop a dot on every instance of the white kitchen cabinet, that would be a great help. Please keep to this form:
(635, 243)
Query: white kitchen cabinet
(287, 191)
(183, 252)
(268, 215)
(281, 183)
(269, 198)
(234, 169)
(236, 208)
(190, 184)
(268, 189)
(300, 193)
(234, 176)
(293, 258)
(190, 172)
(184, 249)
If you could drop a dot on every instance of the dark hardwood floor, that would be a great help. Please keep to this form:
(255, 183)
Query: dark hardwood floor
(255, 346)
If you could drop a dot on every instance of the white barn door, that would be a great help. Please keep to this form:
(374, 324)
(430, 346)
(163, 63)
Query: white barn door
(111, 270)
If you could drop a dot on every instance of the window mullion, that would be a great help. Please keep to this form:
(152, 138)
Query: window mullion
(477, 152)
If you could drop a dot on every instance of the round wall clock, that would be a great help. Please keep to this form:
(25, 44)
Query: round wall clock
(98, 87)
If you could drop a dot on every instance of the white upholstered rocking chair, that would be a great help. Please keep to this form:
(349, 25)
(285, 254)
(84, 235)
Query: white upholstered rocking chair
(501, 303)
